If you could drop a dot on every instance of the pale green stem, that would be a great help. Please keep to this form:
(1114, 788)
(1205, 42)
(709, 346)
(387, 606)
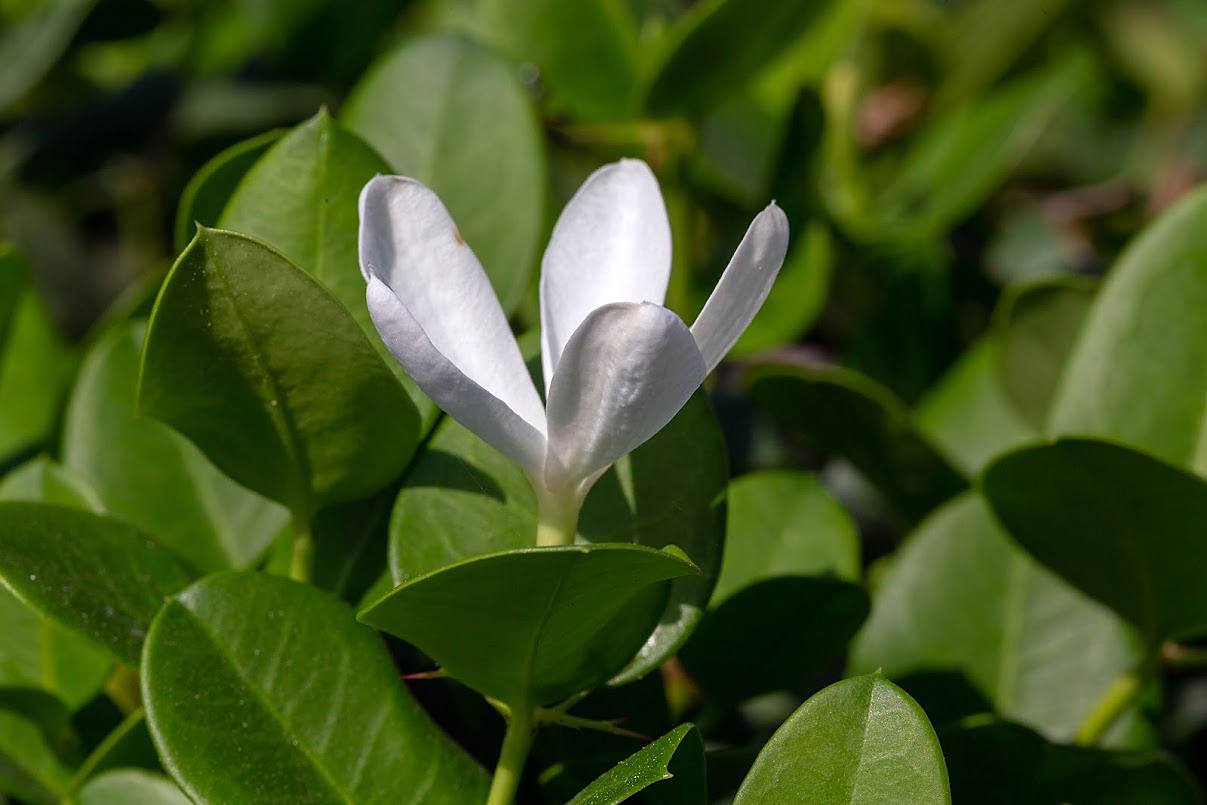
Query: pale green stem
(302, 553)
(1121, 695)
(517, 742)
(557, 518)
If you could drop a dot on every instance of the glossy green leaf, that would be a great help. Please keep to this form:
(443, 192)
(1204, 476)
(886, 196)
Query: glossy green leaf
(722, 44)
(852, 416)
(131, 787)
(1139, 518)
(425, 107)
(795, 299)
(960, 596)
(35, 364)
(36, 652)
(152, 477)
(674, 761)
(862, 740)
(772, 635)
(206, 194)
(300, 704)
(968, 414)
(29, 767)
(266, 372)
(301, 198)
(1138, 372)
(1037, 325)
(536, 625)
(586, 51)
(462, 498)
(98, 576)
(784, 523)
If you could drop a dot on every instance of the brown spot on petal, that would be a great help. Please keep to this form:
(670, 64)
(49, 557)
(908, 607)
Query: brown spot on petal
(458, 237)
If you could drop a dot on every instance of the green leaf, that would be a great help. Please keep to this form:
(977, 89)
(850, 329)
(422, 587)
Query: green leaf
(131, 787)
(959, 596)
(784, 523)
(206, 194)
(34, 42)
(35, 364)
(847, 414)
(300, 704)
(859, 740)
(100, 577)
(795, 299)
(301, 197)
(586, 51)
(1139, 518)
(1037, 325)
(673, 766)
(532, 626)
(425, 107)
(29, 767)
(263, 370)
(968, 415)
(740, 651)
(462, 498)
(720, 45)
(152, 477)
(350, 545)
(1138, 373)
(37, 652)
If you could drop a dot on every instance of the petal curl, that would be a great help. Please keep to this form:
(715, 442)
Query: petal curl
(743, 287)
(624, 374)
(409, 242)
(458, 394)
(612, 243)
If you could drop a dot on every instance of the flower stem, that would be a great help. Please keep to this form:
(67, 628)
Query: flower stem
(516, 744)
(1121, 694)
(302, 554)
(557, 519)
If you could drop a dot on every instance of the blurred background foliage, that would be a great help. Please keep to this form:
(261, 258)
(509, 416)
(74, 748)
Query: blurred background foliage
(958, 175)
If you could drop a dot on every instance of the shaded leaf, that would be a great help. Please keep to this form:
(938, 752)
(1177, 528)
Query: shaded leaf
(533, 626)
(674, 761)
(29, 768)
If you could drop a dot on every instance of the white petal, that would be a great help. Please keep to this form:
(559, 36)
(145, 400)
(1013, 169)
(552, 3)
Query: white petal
(612, 243)
(458, 394)
(623, 375)
(743, 287)
(409, 242)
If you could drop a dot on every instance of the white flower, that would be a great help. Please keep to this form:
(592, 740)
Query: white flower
(617, 364)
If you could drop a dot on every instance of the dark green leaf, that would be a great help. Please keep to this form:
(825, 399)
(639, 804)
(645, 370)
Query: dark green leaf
(960, 596)
(98, 576)
(301, 198)
(300, 704)
(266, 372)
(32, 44)
(784, 523)
(533, 626)
(29, 767)
(152, 477)
(1140, 519)
(772, 635)
(462, 498)
(37, 652)
(859, 740)
(722, 44)
(1138, 372)
(425, 107)
(131, 787)
(852, 416)
(1037, 325)
(206, 194)
(674, 761)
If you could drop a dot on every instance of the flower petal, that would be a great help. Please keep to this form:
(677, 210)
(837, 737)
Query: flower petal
(409, 242)
(625, 373)
(743, 287)
(612, 243)
(458, 394)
